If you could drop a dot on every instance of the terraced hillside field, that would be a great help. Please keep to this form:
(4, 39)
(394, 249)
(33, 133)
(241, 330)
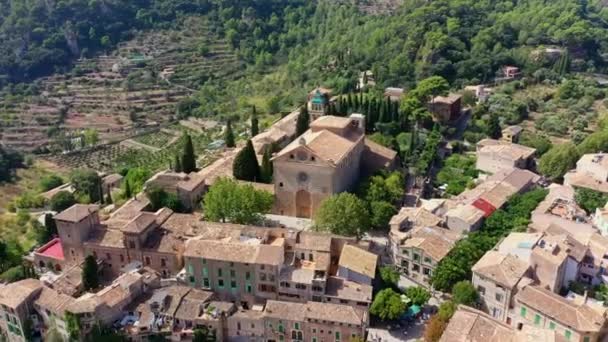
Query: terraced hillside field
(134, 88)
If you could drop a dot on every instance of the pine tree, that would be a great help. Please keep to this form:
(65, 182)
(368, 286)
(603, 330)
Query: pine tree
(188, 157)
(90, 273)
(356, 103)
(178, 164)
(303, 121)
(266, 169)
(229, 135)
(246, 165)
(127, 189)
(255, 129)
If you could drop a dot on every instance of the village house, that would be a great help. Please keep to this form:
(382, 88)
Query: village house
(327, 159)
(189, 188)
(16, 304)
(357, 265)
(495, 155)
(600, 220)
(591, 172)
(468, 325)
(446, 109)
(417, 252)
(511, 134)
(467, 211)
(511, 72)
(481, 92)
(496, 277)
(394, 94)
(574, 321)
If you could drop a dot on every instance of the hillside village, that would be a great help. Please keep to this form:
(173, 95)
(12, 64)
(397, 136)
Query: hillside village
(322, 171)
(175, 274)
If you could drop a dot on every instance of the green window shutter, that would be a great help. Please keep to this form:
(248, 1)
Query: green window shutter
(232, 273)
(523, 311)
(219, 272)
(248, 288)
(552, 325)
(586, 339)
(205, 272)
(206, 282)
(233, 284)
(536, 319)
(337, 336)
(568, 335)
(220, 283)
(190, 269)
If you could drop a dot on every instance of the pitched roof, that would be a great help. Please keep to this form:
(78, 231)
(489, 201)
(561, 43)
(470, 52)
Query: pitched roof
(505, 270)
(345, 314)
(140, 223)
(358, 260)
(578, 317)
(285, 310)
(330, 121)
(192, 304)
(314, 241)
(53, 301)
(234, 252)
(470, 325)
(505, 149)
(77, 212)
(14, 294)
(349, 290)
(324, 144)
(434, 241)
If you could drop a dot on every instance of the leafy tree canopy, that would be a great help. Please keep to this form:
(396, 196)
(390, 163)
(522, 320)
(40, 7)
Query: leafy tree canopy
(343, 214)
(229, 201)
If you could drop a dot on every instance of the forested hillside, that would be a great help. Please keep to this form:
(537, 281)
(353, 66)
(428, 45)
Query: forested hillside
(38, 37)
(461, 40)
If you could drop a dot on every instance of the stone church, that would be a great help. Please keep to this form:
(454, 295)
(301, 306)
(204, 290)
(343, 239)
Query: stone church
(327, 159)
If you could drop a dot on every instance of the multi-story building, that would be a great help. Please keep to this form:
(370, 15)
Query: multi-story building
(468, 324)
(591, 172)
(495, 155)
(416, 253)
(496, 277)
(188, 188)
(16, 303)
(539, 307)
(446, 108)
(327, 159)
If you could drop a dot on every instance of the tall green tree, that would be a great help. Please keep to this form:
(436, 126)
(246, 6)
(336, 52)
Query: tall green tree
(86, 183)
(343, 214)
(387, 305)
(177, 164)
(303, 121)
(266, 169)
(464, 292)
(493, 127)
(558, 160)
(229, 201)
(62, 200)
(90, 273)
(245, 166)
(229, 135)
(255, 129)
(188, 157)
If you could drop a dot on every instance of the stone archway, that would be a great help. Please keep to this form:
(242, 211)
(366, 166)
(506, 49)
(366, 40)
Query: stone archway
(303, 204)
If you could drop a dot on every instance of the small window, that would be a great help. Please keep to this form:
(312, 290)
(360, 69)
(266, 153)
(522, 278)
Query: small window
(568, 335)
(552, 325)
(523, 311)
(291, 156)
(281, 184)
(498, 297)
(220, 283)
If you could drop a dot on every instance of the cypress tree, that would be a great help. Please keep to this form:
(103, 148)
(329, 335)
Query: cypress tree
(178, 164)
(266, 168)
(100, 191)
(245, 166)
(356, 103)
(493, 127)
(127, 188)
(303, 121)
(90, 276)
(229, 135)
(349, 104)
(188, 157)
(109, 199)
(255, 129)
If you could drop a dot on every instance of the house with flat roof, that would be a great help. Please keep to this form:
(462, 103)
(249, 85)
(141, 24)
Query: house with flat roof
(591, 172)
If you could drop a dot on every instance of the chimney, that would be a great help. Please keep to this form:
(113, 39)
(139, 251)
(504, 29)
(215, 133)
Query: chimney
(359, 119)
